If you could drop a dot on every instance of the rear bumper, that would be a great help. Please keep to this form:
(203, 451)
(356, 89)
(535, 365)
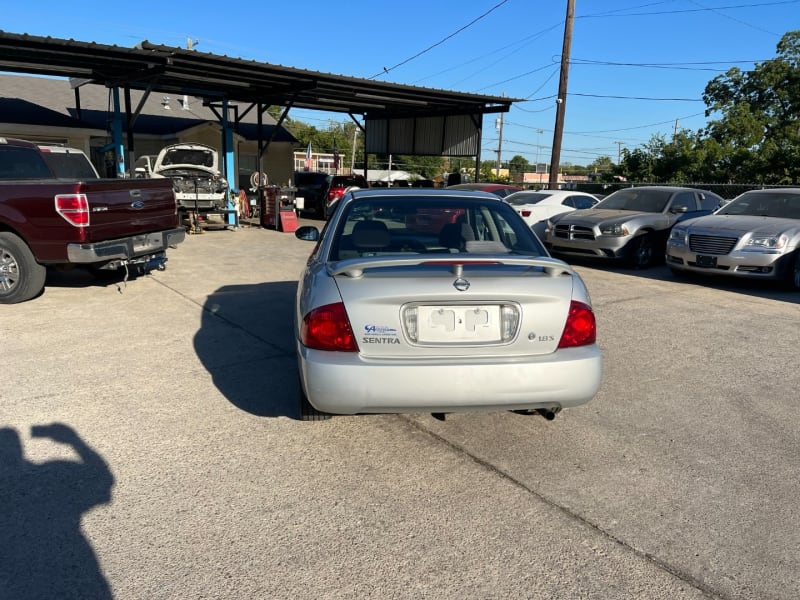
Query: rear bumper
(128, 248)
(345, 383)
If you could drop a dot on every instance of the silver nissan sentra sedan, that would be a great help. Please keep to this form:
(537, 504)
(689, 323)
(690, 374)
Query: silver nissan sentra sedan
(755, 235)
(420, 300)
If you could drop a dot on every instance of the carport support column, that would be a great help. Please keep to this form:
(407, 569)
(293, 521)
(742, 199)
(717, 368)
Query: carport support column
(116, 134)
(227, 150)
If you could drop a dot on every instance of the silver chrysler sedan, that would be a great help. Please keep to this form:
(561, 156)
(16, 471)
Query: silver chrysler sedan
(756, 235)
(440, 301)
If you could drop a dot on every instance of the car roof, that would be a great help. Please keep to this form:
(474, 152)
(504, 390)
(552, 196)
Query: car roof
(669, 188)
(482, 186)
(7, 141)
(774, 191)
(423, 193)
(523, 193)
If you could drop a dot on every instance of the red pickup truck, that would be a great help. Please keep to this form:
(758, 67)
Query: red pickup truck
(103, 224)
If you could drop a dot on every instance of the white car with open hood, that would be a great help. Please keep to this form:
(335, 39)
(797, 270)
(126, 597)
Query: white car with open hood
(196, 176)
(440, 301)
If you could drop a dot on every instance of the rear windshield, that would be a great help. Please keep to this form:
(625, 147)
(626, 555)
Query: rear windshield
(784, 205)
(22, 163)
(520, 198)
(70, 165)
(381, 226)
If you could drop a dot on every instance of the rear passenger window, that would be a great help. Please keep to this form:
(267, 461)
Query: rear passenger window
(581, 202)
(22, 163)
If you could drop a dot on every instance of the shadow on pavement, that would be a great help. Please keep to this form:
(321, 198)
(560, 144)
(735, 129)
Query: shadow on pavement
(43, 553)
(769, 289)
(246, 343)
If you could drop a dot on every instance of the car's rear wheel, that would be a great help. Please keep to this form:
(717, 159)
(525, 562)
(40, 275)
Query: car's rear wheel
(642, 251)
(21, 277)
(307, 411)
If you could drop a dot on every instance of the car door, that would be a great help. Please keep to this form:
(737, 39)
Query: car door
(682, 206)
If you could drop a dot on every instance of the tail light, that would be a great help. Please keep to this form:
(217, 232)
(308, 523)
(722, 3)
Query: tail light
(74, 208)
(328, 328)
(581, 327)
(525, 213)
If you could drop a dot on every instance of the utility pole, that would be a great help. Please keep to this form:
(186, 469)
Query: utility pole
(561, 100)
(539, 132)
(499, 125)
(353, 157)
(619, 151)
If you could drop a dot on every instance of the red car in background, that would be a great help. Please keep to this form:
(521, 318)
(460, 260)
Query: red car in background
(339, 183)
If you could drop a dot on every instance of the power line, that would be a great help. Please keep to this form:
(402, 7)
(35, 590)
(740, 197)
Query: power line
(636, 98)
(687, 10)
(440, 42)
(683, 66)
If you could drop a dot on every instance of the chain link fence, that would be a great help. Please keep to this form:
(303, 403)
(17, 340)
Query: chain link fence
(726, 190)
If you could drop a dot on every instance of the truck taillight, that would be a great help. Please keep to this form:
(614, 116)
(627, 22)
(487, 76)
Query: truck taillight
(581, 327)
(74, 208)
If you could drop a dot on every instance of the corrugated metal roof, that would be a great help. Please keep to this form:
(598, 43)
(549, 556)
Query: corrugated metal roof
(177, 71)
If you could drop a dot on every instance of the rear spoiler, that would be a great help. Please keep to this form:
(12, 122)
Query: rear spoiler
(355, 267)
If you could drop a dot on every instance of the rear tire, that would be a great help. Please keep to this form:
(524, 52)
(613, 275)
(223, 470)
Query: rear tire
(21, 277)
(307, 411)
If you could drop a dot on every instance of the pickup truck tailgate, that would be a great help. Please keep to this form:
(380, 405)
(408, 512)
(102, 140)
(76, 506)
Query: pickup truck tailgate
(118, 211)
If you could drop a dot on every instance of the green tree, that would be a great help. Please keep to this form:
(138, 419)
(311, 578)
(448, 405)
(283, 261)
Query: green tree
(757, 130)
(601, 165)
(754, 137)
(489, 171)
(519, 164)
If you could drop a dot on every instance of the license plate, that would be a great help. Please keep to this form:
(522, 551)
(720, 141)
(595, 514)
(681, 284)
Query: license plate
(706, 261)
(458, 324)
(150, 241)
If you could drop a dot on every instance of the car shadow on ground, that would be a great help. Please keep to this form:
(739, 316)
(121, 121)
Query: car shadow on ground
(246, 343)
(772, 290)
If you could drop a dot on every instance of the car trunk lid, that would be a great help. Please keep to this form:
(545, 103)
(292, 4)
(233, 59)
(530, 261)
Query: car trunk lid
(491, 306)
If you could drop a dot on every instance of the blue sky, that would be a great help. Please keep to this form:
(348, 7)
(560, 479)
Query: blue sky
(638, 68)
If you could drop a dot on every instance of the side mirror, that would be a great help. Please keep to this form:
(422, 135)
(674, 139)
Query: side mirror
(308, 233)
(679, 209)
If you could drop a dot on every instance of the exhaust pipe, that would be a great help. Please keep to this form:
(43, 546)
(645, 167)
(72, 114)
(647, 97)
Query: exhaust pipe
(548, 413)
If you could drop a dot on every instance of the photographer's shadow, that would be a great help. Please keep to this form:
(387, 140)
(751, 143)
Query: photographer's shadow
(43, 553)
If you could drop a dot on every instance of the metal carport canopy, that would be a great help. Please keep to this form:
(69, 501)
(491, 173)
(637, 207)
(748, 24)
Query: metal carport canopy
(168, 69)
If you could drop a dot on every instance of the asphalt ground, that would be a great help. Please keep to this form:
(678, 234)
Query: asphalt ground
(182, 472)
